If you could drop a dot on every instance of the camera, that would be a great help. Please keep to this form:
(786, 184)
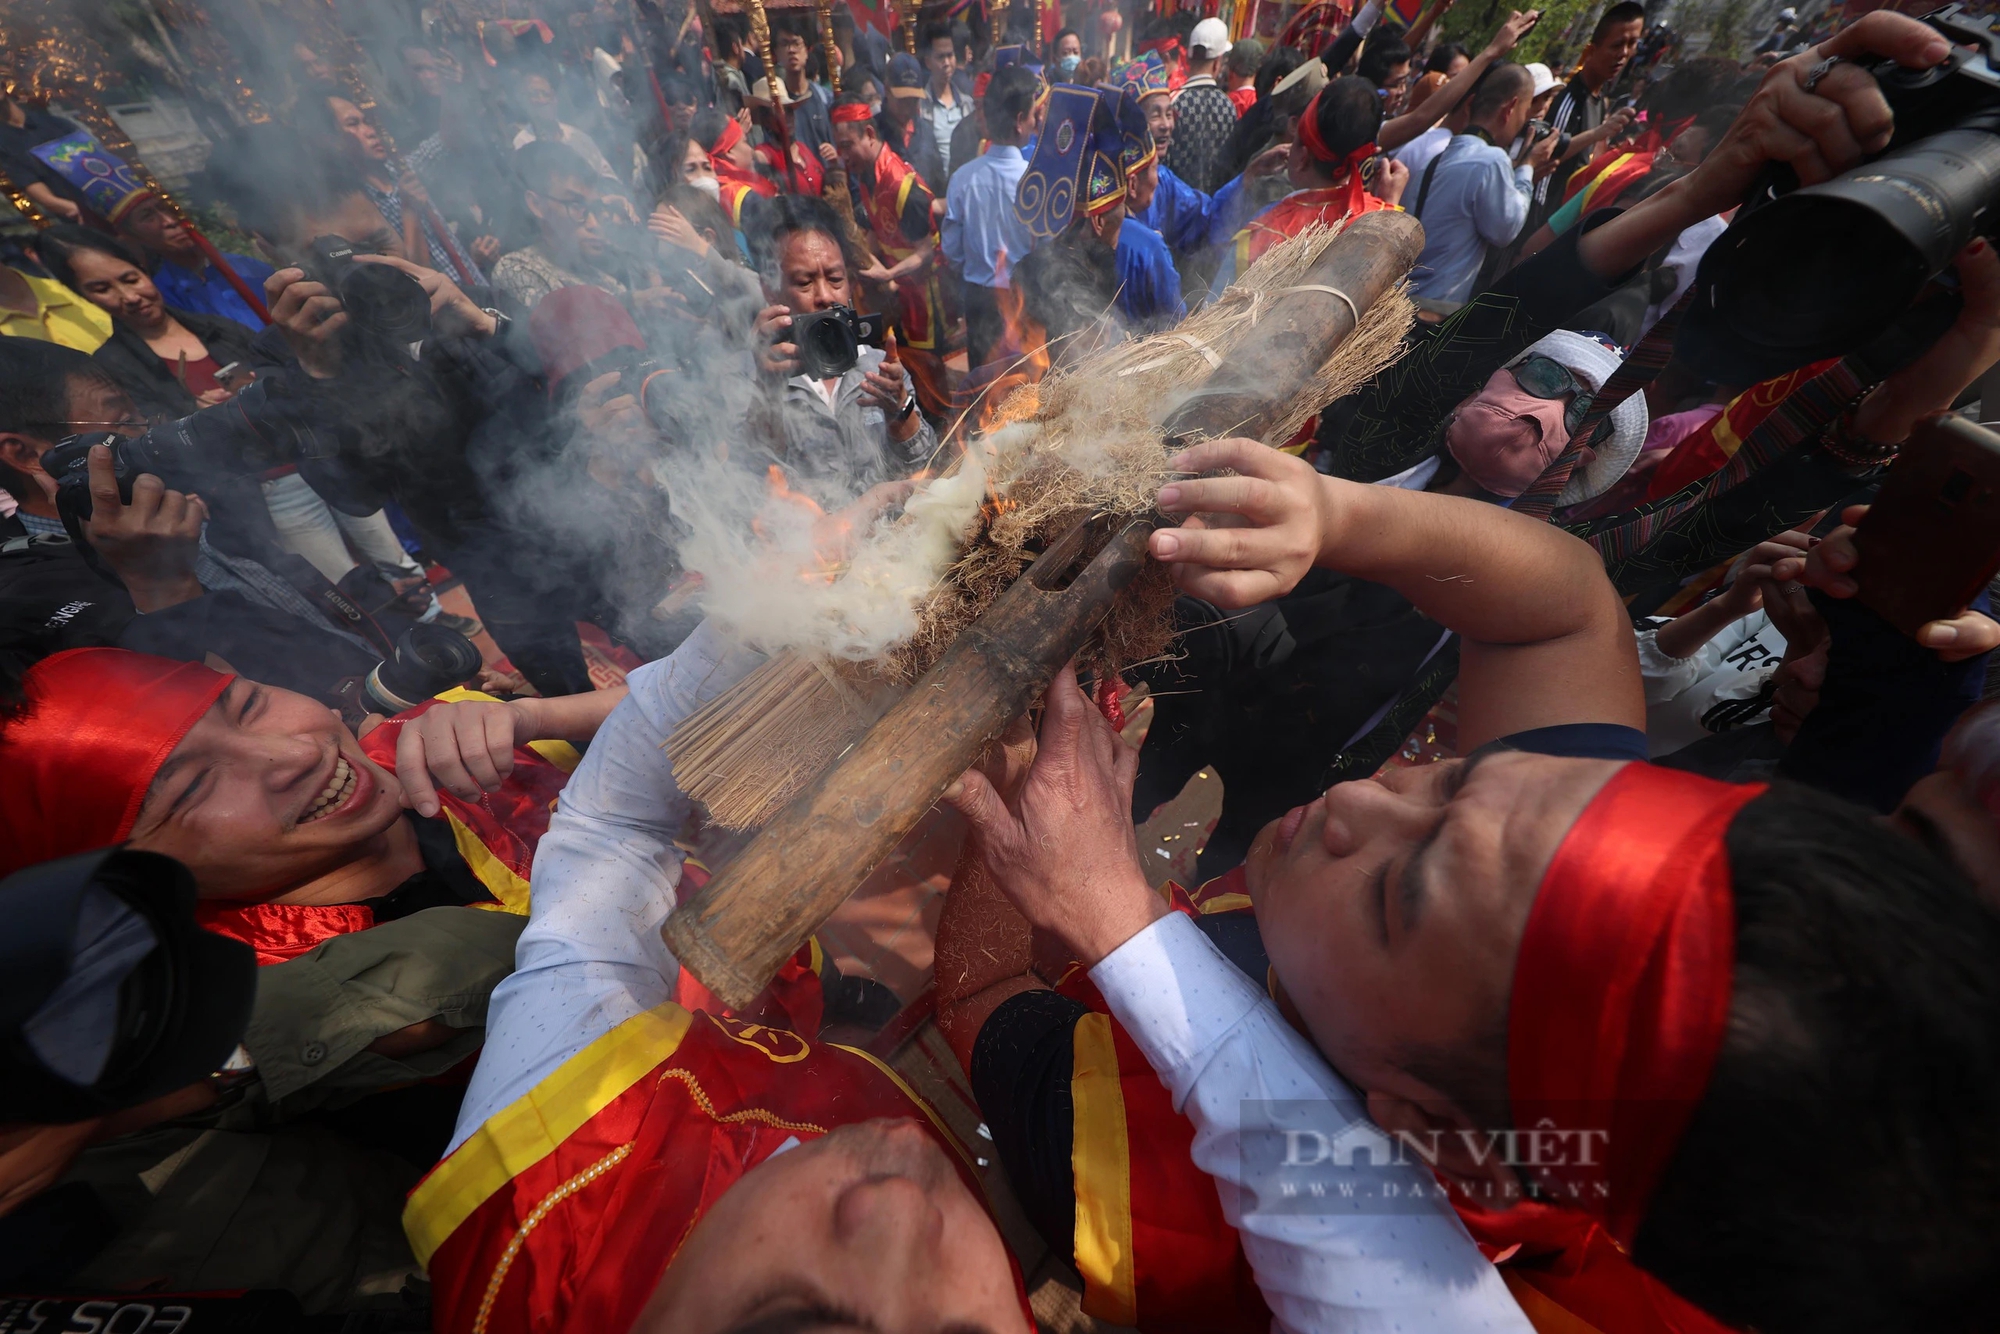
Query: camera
(380, 299)
(829, 341)
(1805, 274)
(113, 995)
(428, 660)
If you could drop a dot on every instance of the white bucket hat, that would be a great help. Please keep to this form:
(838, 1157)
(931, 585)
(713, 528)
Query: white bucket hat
(1593, 363)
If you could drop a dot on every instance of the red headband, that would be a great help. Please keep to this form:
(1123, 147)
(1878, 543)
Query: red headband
(852, 113)
(98, 725)
(1309, 137)
(1622, 987)
(726, 138)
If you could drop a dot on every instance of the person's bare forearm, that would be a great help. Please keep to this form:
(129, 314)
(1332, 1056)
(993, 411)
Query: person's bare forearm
(1626, 240)
(1395, 133)
(570, 717)
(1491, 575)
(1682, 636)
(984, 955)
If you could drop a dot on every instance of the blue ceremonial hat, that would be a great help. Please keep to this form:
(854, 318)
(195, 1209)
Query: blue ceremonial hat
(1003, 56)
(1075, 162)
(1136, 146)
(105, 181)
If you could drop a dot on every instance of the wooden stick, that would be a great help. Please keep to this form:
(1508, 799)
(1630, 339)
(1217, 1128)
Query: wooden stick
(738, 930)
(1302, 325)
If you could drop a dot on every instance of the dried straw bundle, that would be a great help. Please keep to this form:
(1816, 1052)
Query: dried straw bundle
(1084, 441)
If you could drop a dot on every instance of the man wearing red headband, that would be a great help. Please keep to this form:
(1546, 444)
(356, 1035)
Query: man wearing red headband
(1686, 1055)
(895, 204)
(1336, 137)
(295, 830)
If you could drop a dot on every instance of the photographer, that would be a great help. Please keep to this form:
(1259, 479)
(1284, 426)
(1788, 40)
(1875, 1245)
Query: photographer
(163, 589)
(839, 434)
(439, 433)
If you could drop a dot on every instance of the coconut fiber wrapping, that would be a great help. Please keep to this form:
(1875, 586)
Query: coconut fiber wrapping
(1084, 441)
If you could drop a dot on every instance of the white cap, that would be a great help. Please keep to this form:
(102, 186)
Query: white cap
(1210, 39)
(1544, 77)
(1592, 362)
(1788, 15)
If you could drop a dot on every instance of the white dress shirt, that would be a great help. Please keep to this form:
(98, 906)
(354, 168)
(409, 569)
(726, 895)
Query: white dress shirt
(1222, 1049)
(605, 877)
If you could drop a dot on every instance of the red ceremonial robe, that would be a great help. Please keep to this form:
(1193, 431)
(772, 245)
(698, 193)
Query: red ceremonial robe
(897, 197)
(1293, 214)
(496, 836)
(561, 1212)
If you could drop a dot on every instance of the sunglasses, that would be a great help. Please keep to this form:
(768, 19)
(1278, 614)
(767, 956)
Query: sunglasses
(1547, 378)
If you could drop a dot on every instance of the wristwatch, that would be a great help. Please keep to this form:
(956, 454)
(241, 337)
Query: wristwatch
(909, 406)
(501, 323)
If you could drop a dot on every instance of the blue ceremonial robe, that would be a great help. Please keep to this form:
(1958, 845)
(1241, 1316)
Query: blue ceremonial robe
(1149, 287)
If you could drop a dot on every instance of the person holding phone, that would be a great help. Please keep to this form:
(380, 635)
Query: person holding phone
(166, 359)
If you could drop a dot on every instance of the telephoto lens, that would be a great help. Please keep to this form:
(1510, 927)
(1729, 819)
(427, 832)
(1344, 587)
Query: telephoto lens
(1821, 271)
(828, 340)
(429, 659)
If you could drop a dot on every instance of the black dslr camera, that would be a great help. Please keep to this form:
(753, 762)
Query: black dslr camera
(1816, 272)
(829, 341)
(380, 299)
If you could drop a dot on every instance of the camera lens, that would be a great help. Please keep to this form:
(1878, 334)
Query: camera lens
(1819, 272)
(386, 302)
(429, 659)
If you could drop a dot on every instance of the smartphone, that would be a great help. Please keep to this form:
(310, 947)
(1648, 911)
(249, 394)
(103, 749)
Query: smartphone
(1931, 540)
(234, 371)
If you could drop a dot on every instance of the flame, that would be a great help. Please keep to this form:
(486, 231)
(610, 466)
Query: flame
(1023, 351)
(827, 533)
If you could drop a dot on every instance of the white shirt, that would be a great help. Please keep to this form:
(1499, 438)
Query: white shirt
(1228, 1057)
(605, 877)
(1722, 685)
(1417, 154)
(1478, 198)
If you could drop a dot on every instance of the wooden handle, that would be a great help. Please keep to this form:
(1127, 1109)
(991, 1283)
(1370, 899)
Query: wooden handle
(1300, 328)
(741, 927)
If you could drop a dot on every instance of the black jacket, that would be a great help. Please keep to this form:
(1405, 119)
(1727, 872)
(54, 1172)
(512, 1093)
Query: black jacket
(147, 376)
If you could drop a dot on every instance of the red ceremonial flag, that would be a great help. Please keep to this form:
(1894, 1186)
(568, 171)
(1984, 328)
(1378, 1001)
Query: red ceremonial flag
(878, 14)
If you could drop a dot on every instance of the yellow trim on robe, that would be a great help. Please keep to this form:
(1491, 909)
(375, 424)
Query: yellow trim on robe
(496, 875)
(1719, 431)
(530, 1128)
(1101, 1163)
(1225, 903)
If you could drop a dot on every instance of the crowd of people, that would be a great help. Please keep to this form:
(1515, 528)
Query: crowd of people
(1594, 851)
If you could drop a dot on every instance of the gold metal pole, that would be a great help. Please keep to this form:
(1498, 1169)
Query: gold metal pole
(829, 48)
(760, 37)
(908, 9)
(19, 198)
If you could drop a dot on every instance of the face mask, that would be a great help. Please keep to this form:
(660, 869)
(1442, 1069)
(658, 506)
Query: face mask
(1068, 65)
(1504, 436)
(709, 186)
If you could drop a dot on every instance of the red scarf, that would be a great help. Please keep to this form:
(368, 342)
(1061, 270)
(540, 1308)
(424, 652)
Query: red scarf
(1622, 986)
